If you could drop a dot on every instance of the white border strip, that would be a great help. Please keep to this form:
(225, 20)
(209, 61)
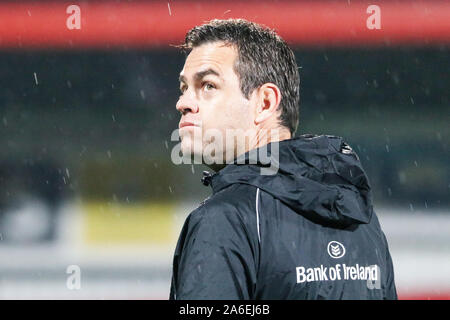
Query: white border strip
(257, 214)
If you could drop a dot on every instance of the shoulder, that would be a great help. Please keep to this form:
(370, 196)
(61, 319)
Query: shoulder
(231, 209)
(236, 201)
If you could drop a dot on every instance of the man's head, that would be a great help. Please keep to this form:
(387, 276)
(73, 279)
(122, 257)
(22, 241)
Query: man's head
(238, 76)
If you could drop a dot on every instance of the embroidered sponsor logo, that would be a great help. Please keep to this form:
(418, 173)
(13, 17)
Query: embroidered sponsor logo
(346, 149)
(343, 271)
(338, 272)
(336, 249)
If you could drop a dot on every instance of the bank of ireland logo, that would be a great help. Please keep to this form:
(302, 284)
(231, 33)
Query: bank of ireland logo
(335, 249)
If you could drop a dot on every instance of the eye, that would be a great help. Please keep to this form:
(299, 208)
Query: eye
(183, 88)
(208, 86)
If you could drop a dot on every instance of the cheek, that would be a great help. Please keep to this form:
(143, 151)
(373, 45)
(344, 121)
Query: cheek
(215, 115)
(226, 113)
(239, 112)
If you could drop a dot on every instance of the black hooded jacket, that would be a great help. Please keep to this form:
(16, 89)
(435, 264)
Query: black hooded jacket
(307, 232)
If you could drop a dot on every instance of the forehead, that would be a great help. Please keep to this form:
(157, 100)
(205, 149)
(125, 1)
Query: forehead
(216, 55)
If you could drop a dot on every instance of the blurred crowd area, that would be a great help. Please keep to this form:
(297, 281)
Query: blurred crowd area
(98, 125)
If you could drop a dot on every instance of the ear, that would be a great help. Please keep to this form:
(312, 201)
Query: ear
(268, 99)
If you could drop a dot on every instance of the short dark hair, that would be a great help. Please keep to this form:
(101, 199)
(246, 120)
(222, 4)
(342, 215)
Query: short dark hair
(263, 56)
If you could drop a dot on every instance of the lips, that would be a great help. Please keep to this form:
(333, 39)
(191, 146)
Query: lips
(186, 124)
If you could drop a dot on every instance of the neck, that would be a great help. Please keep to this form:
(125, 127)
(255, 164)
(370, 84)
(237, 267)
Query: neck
(260, 139)
(266, 136)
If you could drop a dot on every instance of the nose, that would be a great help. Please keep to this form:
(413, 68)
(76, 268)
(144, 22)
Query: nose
(186, 104)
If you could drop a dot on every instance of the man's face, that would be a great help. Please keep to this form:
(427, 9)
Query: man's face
(211, 100)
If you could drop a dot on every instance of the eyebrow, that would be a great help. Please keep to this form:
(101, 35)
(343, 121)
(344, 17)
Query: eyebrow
(200, 75)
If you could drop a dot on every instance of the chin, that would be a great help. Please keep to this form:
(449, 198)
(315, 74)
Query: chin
(191, 150)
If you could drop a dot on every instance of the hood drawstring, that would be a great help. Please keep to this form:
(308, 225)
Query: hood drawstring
(207, 176)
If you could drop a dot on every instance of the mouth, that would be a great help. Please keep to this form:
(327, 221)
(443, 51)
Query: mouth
(186, 124)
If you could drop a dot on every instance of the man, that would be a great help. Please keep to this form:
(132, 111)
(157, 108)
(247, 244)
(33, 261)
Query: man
(307, 230)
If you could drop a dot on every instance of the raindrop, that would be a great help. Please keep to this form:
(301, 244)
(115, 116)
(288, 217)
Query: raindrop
(387, 148)
(142, 94)
(83, 150)
(167, 145)
(109, 154)
(426, 205)
(170, 189)
(67, 172)
(415, 163)
(396, 78)
(375, 83)
(35, 78)
(402, 177)
(389, 192)
(192, 168)
(411, 207)
(69, 84)
(113, 118)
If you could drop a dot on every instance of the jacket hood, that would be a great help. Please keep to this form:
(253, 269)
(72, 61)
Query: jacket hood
(318, 176)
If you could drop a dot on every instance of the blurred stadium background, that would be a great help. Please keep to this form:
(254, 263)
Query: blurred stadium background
(86, 117)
